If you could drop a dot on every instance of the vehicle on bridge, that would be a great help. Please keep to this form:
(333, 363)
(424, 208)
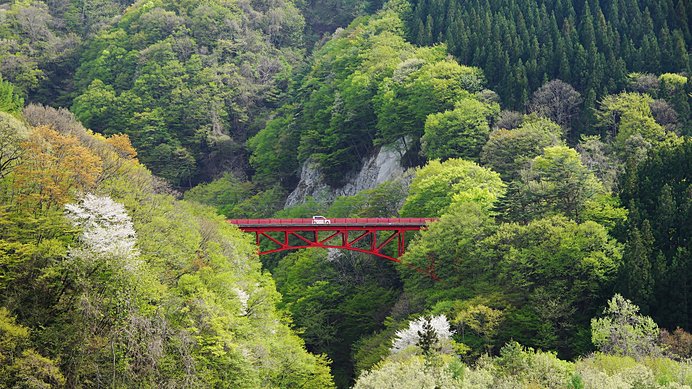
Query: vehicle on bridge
(320, 220)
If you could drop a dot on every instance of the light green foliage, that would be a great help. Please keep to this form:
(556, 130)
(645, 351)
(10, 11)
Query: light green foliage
(535, 267)
(95, 106)
(20, 366)
(31, 44)
(335, 99)
(673, 80)
(411, 372)
(481, 320)
(260, 205)
(605, 210)
(418, 89)
(448, 245)
(532, 367)
(382, 201)
(223, 194)
(188, 81)
(555, 183)
(675, 89)
(626, 115)
(603, 370)
(335, 300)
(304, 210)
(519, 367)
(459, 133)
(508, 151)
(373, 348)
(12, 133)
(341, 299)
(435, 185)
(193, 82)
(368, 86)
(622, 331)
(188, 307)
(273, 151)
(10, 101)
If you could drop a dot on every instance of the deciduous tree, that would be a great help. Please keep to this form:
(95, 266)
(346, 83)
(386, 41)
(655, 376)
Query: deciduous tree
(59, 165)
(557, 101)
(435, 185)
(623, 331)
(459, 133)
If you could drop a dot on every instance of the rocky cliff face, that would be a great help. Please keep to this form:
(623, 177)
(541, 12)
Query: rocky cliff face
(383, 166)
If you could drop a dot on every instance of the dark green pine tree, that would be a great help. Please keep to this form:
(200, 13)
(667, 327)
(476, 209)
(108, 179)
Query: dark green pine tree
(665, 221)
(520, 86)
(677, 305)
(427, 31)
(588, 32)
(650, 54)
(637, 280)
(667, 48)
(683, 20)
(564, 65)
(661, 278)
(587, 113)
(427, 338)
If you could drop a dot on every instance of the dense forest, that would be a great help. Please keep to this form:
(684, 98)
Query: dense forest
(550, 140)
(591, 45)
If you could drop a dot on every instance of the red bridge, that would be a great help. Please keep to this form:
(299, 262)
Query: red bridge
(383, 237)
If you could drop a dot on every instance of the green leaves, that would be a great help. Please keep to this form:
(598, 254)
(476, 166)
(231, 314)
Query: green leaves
(10, 101)
(508, 151)
(405, 100)
(622, 331)
(199, 78)
(459, 133)
(435, 185)
(555, 182)
(628, 116)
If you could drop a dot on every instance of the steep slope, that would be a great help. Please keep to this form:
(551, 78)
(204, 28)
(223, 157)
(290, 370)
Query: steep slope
(189, 81)
(107, 279)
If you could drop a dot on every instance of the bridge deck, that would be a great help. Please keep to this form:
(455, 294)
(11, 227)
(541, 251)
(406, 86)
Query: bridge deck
(379, 223)
(382, 237)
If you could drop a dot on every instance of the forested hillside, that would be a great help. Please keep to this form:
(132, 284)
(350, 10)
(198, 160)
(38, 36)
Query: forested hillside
(592, 45)
(106, 278)
(551, 140)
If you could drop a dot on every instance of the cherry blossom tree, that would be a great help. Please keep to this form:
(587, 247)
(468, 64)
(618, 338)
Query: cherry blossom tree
(106, 227)
(411, 336)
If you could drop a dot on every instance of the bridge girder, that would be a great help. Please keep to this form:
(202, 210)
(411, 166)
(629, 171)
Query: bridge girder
(359, 235)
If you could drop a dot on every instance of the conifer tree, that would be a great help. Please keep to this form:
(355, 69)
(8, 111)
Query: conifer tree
(638, 283)
(427, 338)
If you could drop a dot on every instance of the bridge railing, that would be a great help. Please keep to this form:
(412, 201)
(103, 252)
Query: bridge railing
(350, 221)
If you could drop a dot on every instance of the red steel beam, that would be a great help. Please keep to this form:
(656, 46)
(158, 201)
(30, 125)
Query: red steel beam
(366, 227)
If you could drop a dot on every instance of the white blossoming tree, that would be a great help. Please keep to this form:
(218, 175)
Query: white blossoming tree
(420, 330)
(106, 227)
(243, 297)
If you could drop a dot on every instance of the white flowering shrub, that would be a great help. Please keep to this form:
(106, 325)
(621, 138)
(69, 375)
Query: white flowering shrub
(243, 297)
(106, 227)
(411, 336)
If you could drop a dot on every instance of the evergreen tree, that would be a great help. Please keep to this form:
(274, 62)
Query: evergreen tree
(427, 338)
(637, 278)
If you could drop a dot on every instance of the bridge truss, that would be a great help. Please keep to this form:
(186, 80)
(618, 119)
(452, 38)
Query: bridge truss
(382, 237)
